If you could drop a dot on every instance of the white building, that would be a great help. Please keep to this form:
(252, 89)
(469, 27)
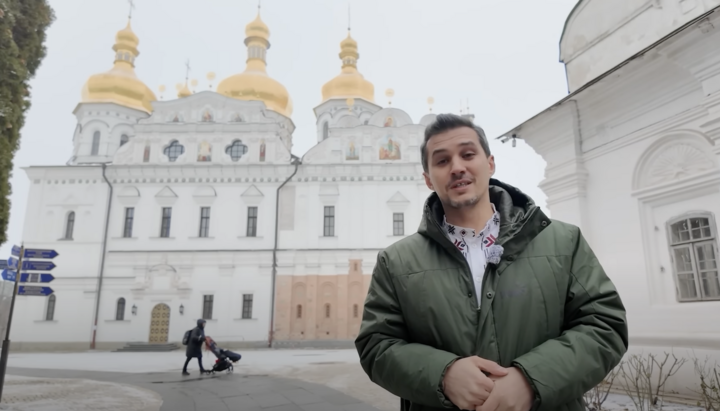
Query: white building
(633, 158)
(168, 210)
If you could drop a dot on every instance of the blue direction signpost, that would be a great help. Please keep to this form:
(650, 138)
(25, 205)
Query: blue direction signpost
(35, 253)
(20, 265)
(34, 290)
(8, 275)
(36, 278)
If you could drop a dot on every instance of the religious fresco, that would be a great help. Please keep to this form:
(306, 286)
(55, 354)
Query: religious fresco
(389, 122)
(236, 118)
(204, 152)
(207, 116)
(262, 150)
(351, 152)
(176, 118)
(389, 149)
(146, 154)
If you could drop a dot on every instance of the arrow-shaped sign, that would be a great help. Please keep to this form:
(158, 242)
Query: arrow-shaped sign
(8, 275)
(31, 265)
(35, 253)
(36, 278)
(33, 290)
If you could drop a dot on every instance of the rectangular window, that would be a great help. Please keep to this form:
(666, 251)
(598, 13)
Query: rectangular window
(694, 253)
(247, 306)
(252, 214)
(207, 307)
(128, 226)
(204, 222)
(398, 224)
(329, 221)
(165, 226)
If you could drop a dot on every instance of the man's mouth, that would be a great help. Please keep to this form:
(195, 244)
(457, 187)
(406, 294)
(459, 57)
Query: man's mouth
(461, 183)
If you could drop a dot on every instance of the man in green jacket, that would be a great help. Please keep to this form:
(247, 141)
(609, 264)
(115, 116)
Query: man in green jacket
(490, 306)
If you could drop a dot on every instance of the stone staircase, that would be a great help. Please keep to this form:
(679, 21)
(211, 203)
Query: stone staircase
(147, 347)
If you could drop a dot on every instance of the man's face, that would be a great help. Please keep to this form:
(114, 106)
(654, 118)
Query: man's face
(459, 171)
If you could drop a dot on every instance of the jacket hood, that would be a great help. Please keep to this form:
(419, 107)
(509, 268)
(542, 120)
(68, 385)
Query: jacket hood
(518, 214)
(200, 322)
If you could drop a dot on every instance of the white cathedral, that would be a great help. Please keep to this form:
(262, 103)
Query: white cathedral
(170, 211)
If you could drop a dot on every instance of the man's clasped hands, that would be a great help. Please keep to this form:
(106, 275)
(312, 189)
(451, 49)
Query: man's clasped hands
(469, 388)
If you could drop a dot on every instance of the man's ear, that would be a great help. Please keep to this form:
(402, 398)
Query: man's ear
(491, 163)
(427, 181)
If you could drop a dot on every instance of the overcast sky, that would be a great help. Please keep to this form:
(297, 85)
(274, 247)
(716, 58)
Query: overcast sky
(501, 55)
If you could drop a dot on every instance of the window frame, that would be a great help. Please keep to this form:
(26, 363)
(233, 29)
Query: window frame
(95, 147)
(165, 230)
(207, 307)
(128, 222)
(398, 225)
(691, 244)
(247, 306)
(50, 308)
(251, 229)
(120, 314)
(69, 226)
(124, 139)
(204, 230)
(328, 311)
(328, 221)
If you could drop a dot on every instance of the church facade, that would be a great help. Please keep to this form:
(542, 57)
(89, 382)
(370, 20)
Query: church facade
(633, 159)
(195, 207)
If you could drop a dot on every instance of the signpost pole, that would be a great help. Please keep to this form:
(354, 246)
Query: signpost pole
(6, 341)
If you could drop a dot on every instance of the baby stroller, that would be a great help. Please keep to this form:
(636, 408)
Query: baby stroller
(225, 358)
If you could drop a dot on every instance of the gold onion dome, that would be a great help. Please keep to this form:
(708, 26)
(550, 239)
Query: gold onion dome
(120, 85)
(254, 83)
(349, 83)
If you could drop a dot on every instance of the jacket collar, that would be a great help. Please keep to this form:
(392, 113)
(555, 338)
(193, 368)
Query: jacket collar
(520, 219)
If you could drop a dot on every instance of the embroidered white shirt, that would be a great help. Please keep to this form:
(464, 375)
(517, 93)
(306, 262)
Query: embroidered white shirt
(474, 246)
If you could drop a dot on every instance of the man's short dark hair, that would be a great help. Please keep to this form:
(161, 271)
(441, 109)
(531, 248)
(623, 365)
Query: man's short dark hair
(447, 122)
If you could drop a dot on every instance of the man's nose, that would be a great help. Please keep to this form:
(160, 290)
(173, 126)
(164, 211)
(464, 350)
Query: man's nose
(457, 167)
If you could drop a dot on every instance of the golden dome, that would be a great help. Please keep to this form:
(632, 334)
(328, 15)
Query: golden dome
(254, 83)
(184, 91)
(349, 83)
(120, 85)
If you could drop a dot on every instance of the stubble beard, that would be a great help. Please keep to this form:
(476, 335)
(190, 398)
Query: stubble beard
(465, 203)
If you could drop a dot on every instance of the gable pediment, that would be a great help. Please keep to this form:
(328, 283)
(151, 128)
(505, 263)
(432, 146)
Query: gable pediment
(166, 192)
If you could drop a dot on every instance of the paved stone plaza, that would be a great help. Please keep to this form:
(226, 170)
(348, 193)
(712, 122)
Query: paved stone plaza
(268, 380)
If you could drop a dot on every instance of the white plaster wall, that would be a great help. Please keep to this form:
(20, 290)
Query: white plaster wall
(601, 34)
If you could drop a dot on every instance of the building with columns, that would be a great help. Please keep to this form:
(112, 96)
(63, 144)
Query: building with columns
(195, 207)
(633, 159)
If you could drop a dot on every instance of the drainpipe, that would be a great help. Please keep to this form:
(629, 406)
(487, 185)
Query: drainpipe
(102, 259)
(296, 161)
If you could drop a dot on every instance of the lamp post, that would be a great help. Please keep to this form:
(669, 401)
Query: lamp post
(182, 309)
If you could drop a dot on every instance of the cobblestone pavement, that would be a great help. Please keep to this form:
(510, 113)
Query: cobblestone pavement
(220, 392)
(52, 394)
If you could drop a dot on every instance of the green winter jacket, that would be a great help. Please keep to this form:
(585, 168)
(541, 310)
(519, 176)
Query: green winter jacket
(547, 308)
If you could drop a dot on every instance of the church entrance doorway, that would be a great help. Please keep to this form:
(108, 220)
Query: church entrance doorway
(159, 324)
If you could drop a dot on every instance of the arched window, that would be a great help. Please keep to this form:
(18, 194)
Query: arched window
(50, 310)
(174, 150)
(356, 310)
(327, 310)
(694, 252)
(120, 310)
(95, 144)
(326, 130)
(69, 225)
(123, 139)
(236, 150)
(298, 311)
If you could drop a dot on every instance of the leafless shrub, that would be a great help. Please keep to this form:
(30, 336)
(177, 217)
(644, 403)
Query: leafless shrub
(709, 385)
(595, 398)
(643, 379)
